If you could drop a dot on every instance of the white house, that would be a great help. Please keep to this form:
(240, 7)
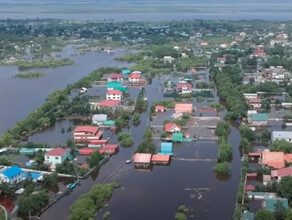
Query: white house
(250, 95)
(12, 175)
(282, 135)
(168, 59)
(56, 156)
(135, 77)
(114, 95)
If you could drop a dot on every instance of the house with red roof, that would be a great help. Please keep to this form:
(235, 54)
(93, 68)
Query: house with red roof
(160, 159)
(112, 104)
(83, 135)
(172, 127)
(97, 143)
(136, 78)
(160, 108)
(259, 53)
(56, 156)
(111, 148)
(255, 103)
(184, 88)
(183, 108)
(114, 95)
(115, 77)
(142, 160)
(273, 159)
(280, 173)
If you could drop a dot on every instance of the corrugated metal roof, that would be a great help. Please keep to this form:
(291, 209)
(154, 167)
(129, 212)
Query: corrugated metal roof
(177, 137)
(259, 117)
(99, 117)
(271, 202)
(247, 215)
(281, 135)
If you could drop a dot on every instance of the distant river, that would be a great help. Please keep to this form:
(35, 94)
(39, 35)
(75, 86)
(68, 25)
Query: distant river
(18, 97)
(275, 16)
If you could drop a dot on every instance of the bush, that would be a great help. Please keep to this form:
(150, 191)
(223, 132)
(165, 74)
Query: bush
(180, 216)
(136, 119)
(106, 215)
(225, 152)
(222, 168)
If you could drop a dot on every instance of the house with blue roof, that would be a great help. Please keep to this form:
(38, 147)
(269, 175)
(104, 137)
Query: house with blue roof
(12, 175)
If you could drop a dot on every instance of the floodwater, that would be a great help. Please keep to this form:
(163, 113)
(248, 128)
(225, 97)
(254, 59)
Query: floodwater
(156, 194)
(18, 97)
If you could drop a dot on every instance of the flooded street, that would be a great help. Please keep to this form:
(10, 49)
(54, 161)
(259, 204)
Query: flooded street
(156, 194)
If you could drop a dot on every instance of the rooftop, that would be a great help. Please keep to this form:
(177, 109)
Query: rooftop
(86, 129)
(273, 159)
(142, 158)
(282, 134)
(108, 103)
(58, 151)
(287, 171)
(160, 158)
(271, 202)
(115, 76)
(114, 92)
(12, 171)
(183, 107)
(259, 117)
(170, 127)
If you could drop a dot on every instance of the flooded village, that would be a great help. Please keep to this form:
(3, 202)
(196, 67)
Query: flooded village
(194, 128)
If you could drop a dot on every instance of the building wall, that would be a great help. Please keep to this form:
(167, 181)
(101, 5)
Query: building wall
(133, 80)
(260, 123)
(55, 159)
(13, 180)
(113, 97)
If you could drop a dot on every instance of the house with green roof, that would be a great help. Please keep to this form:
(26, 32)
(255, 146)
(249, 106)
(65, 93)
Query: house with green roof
(270, 203)
(259, 119)
(247, 215)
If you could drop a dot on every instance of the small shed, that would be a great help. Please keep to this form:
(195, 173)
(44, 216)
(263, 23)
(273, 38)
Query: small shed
(166, 148)
(99, 119)
(177, 137)
(111, 148)
(109, 123)
(260, 119)
(160, 159)
(247, 215)
(159, 108)
(142, 160)
(86, 151)
(27, 151)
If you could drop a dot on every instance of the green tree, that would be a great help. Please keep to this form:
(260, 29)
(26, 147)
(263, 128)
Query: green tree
(264, 214)
(222, 168)
(222, 129)
(136, 118)
(44, 121)
(247, 133)
(225, 152)
(245, 146)
(50, 180)
(180, 216)
(279, 211)
(94, 159)
(284, 188)
(147, 134)
(70, 143)
(281, 145)
(288, 214)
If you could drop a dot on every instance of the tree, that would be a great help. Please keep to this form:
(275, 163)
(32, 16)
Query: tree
(280, 211)
(136, 118)
(281, 145)
(222, 129)
(147, 134)
(50, 180)
(70, 143)
(288, 214)
(94, 159)
(245, 146)
(180, 216)
(34, 202)
(266, 104)
(284, 188)
(225, 152)
(264, 214)
(247, 133)
(222, 168)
